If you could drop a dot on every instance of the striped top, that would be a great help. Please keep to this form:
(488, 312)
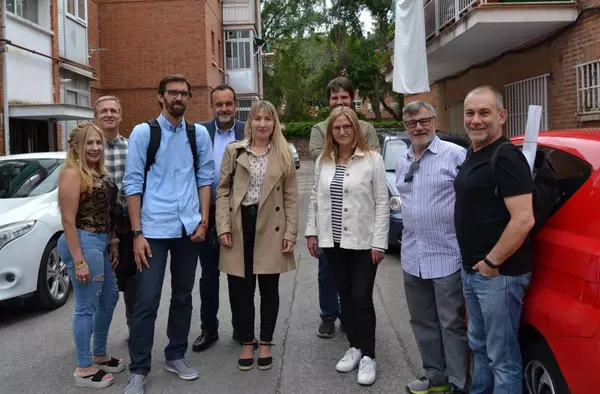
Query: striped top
(429, 246)
(337, 199)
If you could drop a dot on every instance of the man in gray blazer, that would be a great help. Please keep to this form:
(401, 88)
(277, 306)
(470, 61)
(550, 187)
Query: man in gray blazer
(223, 129)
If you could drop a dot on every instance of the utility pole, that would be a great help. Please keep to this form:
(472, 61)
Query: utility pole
(4, 49)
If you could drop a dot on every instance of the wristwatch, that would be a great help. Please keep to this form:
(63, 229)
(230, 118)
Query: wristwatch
(490, 264)
(136, 233)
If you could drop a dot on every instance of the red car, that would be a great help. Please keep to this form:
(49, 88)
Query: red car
(560, 335)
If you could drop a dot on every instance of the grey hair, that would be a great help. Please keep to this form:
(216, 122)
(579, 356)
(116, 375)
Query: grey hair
(414, 107)
(489, 89)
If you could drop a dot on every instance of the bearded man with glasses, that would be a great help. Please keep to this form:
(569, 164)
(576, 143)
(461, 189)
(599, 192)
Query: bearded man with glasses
(430, 254)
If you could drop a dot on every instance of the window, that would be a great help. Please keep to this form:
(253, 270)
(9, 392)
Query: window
(28, 177)
(588, 87)
(243, 109)
(220, 49)
(519, 96)
(212, 43)
(456, 121)
(572, 173)
(393, 149)
(77, 8)
(77, 90)
(27, 9)
(358, 104)
(238, 49)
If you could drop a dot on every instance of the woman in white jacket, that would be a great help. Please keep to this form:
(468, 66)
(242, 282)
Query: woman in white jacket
(348, 217)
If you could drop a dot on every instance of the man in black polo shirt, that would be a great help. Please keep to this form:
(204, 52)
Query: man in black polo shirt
(493, 217)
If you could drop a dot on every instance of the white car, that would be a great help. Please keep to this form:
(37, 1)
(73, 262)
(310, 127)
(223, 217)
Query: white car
(30, 225)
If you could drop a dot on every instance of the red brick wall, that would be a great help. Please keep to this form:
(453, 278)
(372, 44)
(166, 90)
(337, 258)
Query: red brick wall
(214, 24)
(558, 57)
(94, 42)
(146, 40)
(435, 97)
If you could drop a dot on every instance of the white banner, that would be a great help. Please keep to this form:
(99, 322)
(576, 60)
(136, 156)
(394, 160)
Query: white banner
(410, 55)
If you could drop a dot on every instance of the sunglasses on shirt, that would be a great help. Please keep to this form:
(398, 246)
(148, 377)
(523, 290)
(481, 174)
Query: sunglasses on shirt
(410, 175)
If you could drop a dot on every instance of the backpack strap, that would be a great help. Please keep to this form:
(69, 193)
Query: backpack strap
(190, 130)
(469, 152)
(494, 162)
(153, 145)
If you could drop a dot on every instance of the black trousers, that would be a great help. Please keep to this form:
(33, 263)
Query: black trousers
(242, 289)
(126, 273)
(354, 274)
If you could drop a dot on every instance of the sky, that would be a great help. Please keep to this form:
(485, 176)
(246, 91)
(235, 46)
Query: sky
(367, 21)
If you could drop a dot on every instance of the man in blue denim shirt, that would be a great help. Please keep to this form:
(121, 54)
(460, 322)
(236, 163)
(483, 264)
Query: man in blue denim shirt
(173, 219)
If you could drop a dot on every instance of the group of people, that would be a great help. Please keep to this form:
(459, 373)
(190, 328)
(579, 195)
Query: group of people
(225, 192)
(466, 246)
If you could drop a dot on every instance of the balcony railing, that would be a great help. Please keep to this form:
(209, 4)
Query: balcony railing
(441, 13)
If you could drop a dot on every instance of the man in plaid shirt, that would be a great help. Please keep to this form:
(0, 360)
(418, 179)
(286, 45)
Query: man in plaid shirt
(108, 116)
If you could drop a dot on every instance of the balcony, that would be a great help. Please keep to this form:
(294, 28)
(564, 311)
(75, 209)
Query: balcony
(462, 33)
(238, 12)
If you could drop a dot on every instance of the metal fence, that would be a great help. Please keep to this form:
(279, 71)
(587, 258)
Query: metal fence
(519, 96)
(588, 87)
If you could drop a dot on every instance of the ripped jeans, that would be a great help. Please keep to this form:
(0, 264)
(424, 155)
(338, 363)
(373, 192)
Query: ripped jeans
(94, 301)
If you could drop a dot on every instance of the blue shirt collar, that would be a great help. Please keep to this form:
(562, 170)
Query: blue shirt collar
(434, 147)
(218, 130)
(166, 125)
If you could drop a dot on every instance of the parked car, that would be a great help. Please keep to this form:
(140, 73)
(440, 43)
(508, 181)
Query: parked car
(560, 336)
(295, 155)
(393, 144)
(30, 225)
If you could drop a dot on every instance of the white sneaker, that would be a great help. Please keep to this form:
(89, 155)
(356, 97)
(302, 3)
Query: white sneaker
(349, 361)
(366, 371)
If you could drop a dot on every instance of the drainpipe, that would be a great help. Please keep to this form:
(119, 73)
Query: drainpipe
(5, 81)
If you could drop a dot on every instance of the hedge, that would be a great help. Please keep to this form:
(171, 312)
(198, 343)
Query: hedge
(301, 130)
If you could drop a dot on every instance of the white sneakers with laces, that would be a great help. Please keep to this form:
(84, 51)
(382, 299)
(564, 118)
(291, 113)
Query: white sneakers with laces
(349, 361)
(366, 371)
(366, 366)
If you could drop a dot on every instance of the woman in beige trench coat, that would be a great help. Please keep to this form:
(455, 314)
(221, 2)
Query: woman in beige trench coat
(257, 224)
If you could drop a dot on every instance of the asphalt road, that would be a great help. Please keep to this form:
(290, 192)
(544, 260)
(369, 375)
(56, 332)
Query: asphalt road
(37, 350)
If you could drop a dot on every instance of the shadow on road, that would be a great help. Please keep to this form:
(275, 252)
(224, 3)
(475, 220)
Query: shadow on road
(18, 311)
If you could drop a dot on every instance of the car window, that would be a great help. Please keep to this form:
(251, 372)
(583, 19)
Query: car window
(572, 173)
(393, 150)
(22, 178)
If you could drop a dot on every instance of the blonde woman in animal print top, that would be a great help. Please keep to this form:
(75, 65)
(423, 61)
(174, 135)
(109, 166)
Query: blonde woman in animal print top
(86, 195)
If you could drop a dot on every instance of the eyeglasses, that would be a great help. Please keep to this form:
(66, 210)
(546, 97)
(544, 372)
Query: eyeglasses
(345, 127)
(411, 124)
(174, 93)
(410, 175)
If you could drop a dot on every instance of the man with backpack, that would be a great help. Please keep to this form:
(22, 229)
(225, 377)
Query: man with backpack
(493, 218)
(223, 129)
(167, 182)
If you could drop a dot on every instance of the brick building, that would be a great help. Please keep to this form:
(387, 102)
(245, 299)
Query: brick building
(534, 52)
(88, 48)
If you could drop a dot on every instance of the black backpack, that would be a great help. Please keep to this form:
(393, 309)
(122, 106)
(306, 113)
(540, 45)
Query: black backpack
(155, 134)
(546, 190)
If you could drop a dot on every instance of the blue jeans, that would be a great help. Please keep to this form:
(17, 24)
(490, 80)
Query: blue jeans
(94, 301)
(328, 294)
(184, 259)
(494, 308)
